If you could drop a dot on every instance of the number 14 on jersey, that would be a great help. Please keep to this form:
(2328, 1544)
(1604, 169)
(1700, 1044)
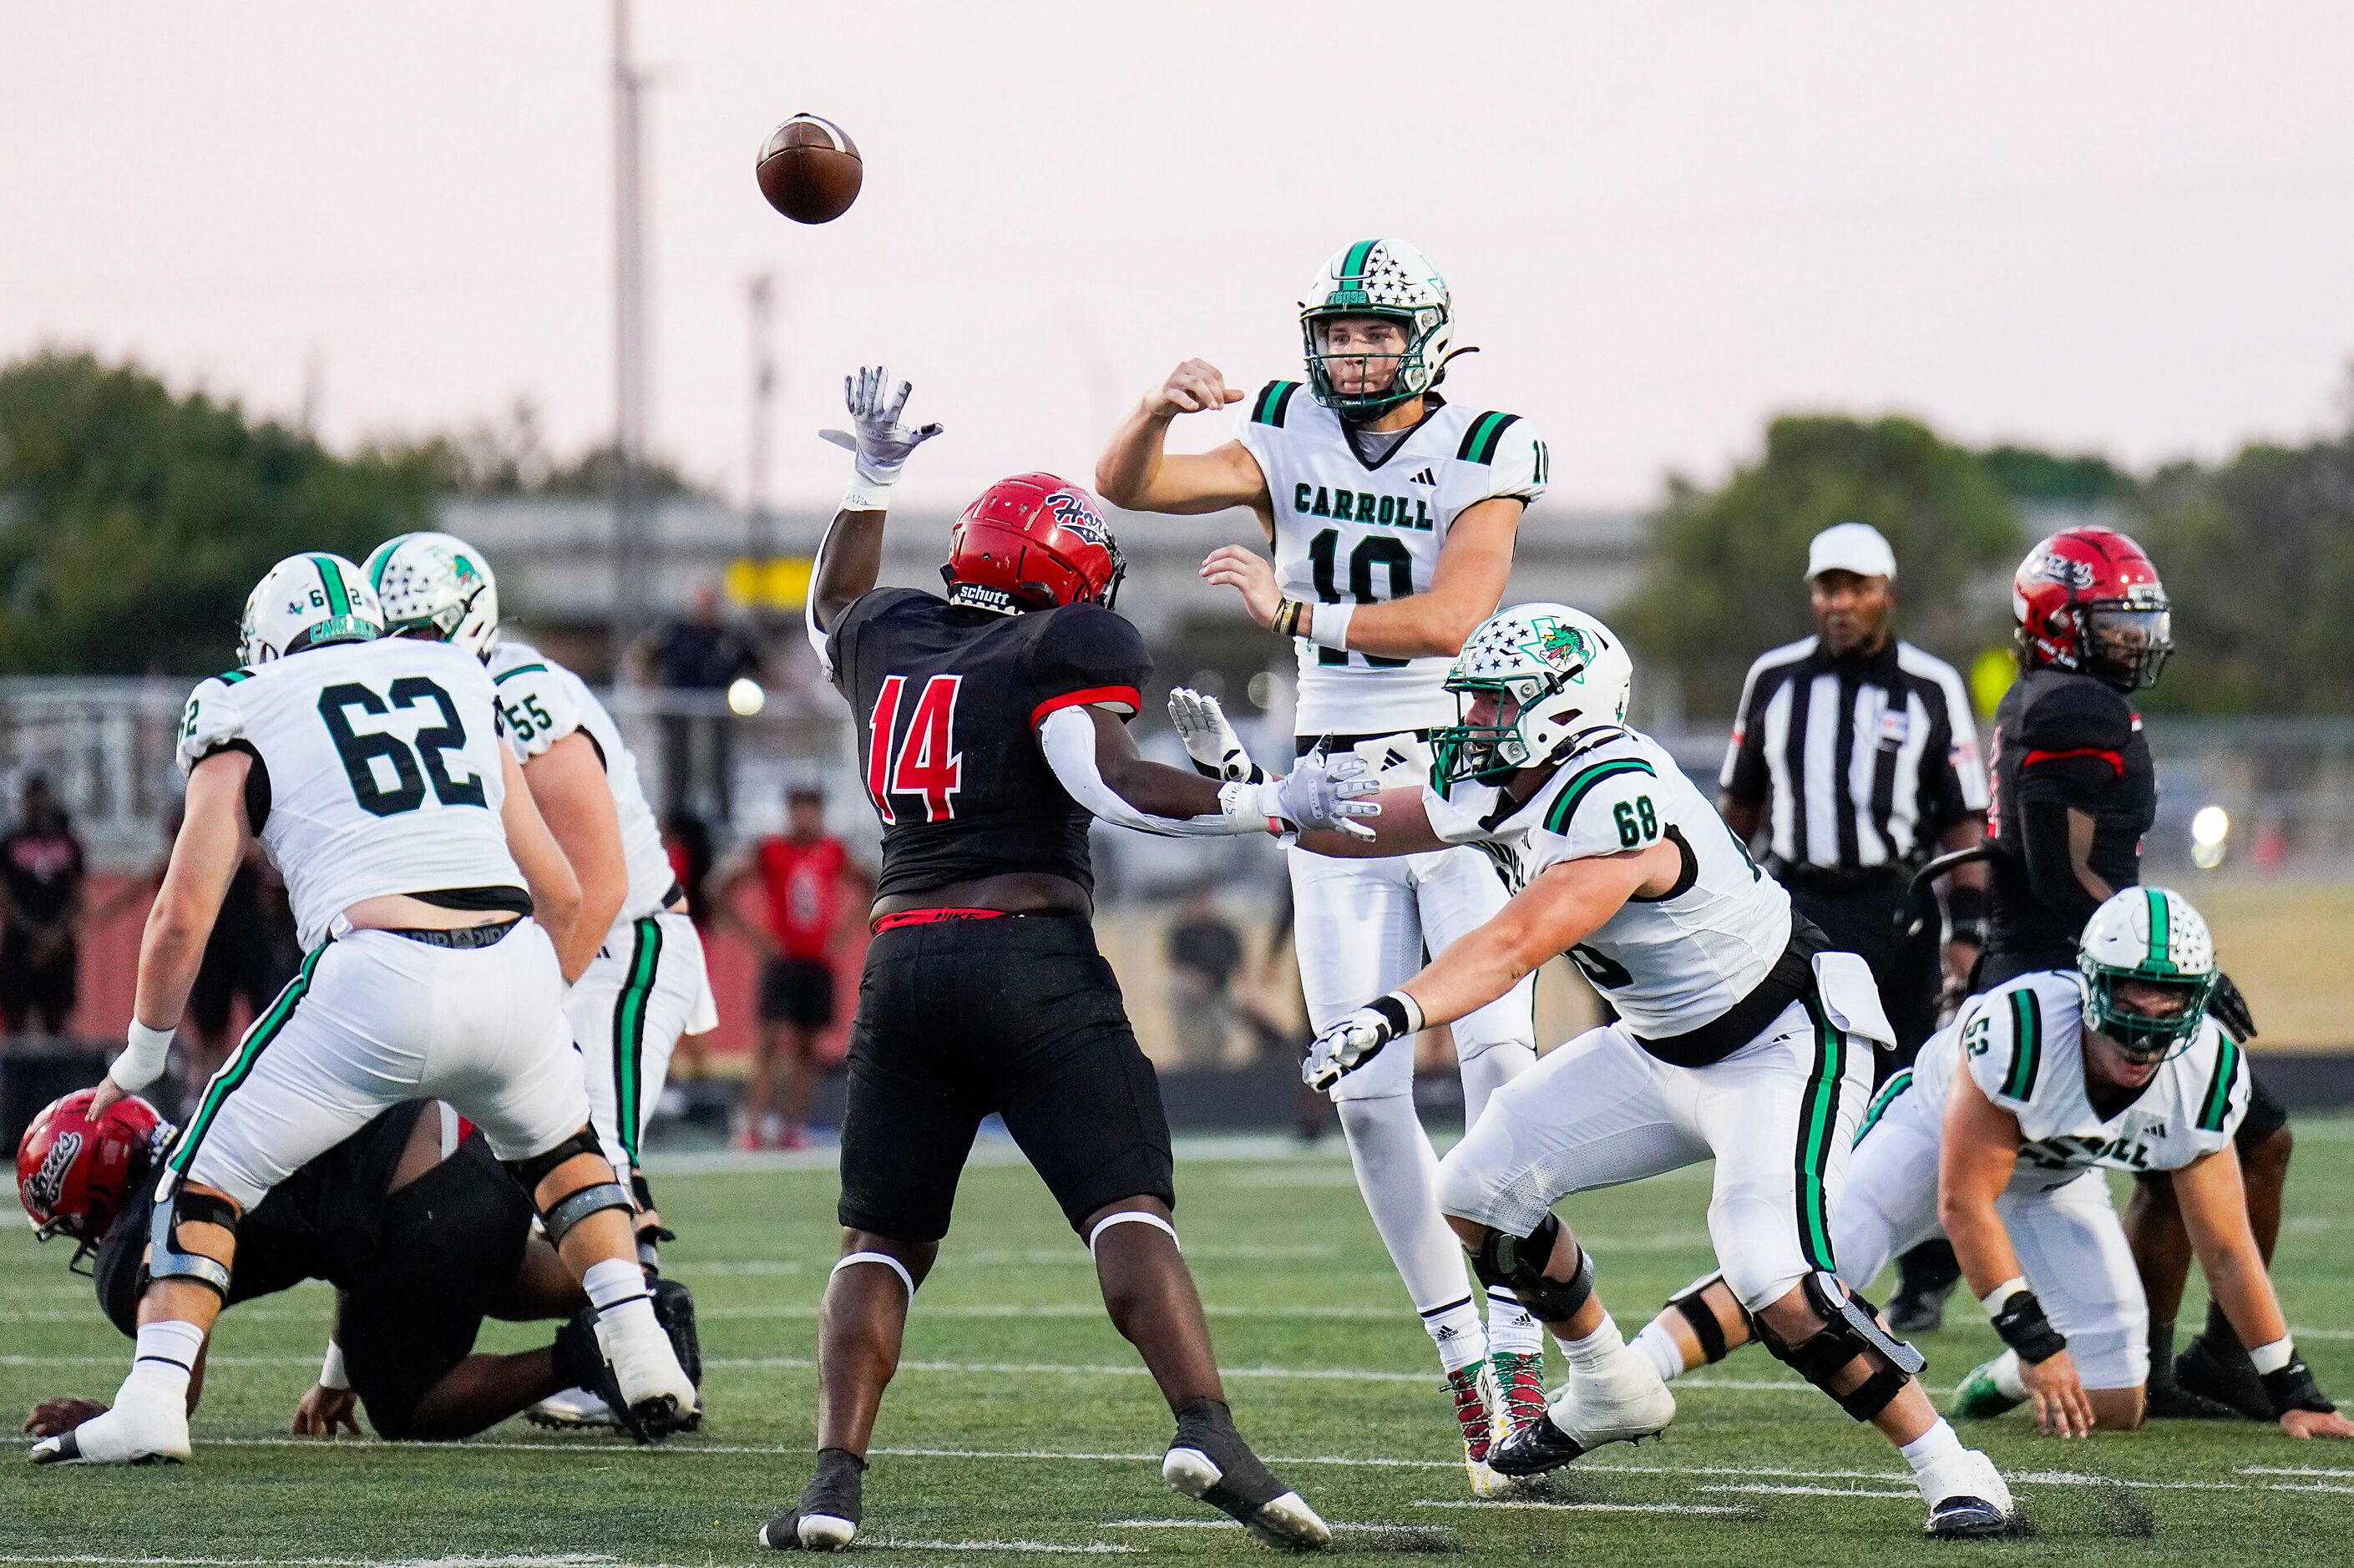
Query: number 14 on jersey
(924, 762)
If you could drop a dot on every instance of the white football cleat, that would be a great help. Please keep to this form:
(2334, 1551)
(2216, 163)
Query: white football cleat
(135, 1432)
(1967, 1498)
(658, 1395)
(574, 1410)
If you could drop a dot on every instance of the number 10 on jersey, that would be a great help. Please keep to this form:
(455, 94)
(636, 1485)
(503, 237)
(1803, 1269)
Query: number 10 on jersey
(926, 762)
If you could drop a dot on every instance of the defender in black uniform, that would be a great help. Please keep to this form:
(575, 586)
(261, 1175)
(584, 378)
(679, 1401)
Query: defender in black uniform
(2074, 791)
(991, 729)
(420, 1231)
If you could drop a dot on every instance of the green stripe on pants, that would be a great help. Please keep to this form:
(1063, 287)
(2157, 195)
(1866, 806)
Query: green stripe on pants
(629, 1031)
(1897, 1084)
(1817, 1124)
(238, 1068)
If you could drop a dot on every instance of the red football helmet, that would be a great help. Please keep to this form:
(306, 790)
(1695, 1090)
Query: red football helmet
(1032, 542)
(2088, 599)
(72, 1172)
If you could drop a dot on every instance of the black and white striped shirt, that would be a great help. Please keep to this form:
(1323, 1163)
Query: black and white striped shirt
(1859, 762)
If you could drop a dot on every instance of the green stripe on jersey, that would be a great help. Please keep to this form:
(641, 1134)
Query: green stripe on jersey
(1565, 805)
(2026, 1045)
(2218, 1103)
(1897, 1084)
(338, 602)
(520, 670)
(1479, 442)
(232, 677)
(1274, 402)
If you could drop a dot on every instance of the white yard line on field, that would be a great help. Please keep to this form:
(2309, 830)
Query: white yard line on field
(1537, 1504)
(1228, 1524)
(1798, 1489)
(2296, 1471)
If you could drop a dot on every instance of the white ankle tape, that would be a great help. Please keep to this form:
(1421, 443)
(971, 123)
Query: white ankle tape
(887, 1260)
(1131, 1217)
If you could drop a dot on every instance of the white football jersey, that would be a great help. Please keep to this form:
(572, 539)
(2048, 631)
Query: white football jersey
(2024, 1043)
(1669, 965)
(380, 763)
(544, 702)
(1345, 533)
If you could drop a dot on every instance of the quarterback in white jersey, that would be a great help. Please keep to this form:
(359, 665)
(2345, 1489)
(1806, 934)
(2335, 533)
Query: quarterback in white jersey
(374, 775)
(2000, 1136)
(1392, 513)
(1739, 1038)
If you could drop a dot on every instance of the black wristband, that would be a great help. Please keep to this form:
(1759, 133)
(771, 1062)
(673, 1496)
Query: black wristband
(2293, 1388)
(2025, 1329)
(1399, 1011)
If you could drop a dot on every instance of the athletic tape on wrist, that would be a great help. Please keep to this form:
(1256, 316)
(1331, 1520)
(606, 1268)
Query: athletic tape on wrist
(2273, 1356)
(864, 494)
(1135, 1217)
(331, 1370)
(1993, 1300)
(1328, 627)
(885, 1259)
(1403, 1013)
(145, 1052)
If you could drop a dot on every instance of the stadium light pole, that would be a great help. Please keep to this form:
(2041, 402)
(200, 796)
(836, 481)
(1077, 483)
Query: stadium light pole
(759, 293)
(634, 563)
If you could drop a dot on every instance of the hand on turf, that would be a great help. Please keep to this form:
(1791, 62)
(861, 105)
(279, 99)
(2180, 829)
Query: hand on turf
(323, 1409)
(1216, 750)
(2317, 1423)
(1346, 1046)
(54, 1417)
(1325, 791)
(1250, 574)
(879, 438)
(2062, 1410)
(1193, 387)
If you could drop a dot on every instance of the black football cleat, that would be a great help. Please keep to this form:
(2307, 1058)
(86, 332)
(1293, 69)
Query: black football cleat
(2169, 1401)
(1209, 1461)
(832, 1506)
(1534, 1449)
(1967, 1518)
(1921, 1312)
(2223, 1374)
(674, 1311)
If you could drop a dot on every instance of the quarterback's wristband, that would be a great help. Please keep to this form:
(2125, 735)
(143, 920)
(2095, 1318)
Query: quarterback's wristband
(1286, 619)
(331, 1370)
(866, 494)
(2023, 1327)
(2291, 1386)
(1400, 1012)
(1328, 627)
(142, 1059)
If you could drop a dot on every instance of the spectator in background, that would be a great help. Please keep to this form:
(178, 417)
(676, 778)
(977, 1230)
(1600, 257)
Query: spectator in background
(804, 875)
(41, 883)
(1204, 953)
(701, 654)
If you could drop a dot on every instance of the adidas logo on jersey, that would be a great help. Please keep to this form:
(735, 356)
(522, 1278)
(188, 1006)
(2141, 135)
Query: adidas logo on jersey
(1424, 477)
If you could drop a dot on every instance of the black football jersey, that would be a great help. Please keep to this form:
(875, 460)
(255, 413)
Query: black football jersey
(2061, 740)
(947, 700)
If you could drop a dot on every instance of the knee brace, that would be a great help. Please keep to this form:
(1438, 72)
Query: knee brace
(1851, 1331)
(1696, 1312)
(1518, 1262)
(560, 1217)
(166, 1260)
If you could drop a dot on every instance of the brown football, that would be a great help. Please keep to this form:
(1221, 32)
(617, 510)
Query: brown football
(810, 169)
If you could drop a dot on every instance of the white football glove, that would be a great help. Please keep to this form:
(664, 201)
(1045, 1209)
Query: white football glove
(1357, 1039)
(1325, 792)
(879, 438)
(1216, 750)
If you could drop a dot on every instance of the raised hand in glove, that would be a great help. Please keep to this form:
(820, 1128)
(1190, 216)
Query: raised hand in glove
(1216, 750)
(879, 438)
(1357, 1039)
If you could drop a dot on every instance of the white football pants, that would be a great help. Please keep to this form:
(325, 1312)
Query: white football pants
(645, 987)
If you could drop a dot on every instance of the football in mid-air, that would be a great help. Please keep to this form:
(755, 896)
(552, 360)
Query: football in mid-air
(810, 169)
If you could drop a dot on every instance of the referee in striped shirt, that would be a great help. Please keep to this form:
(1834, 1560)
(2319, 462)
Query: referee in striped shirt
(1856, 756)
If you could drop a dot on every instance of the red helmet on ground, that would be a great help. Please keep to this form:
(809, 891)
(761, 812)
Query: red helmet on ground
(2088, 599)
(1032, 542)
(72, 1172)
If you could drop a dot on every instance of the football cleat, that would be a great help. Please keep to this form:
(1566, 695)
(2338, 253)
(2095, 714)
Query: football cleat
(135, 1432)
(1519, 1379)
(1624, 1402)
(1921, 1312)
(2222, 1376)
(826, 1518)
(1209, 1461)
(574, 1410)
(2169, 1401)
(656, 1396)
(1978, 1399)
(1476, 1418)
(1968, 1499)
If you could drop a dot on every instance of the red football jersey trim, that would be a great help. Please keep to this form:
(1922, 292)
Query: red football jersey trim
(1127, 696)
(2114, 758)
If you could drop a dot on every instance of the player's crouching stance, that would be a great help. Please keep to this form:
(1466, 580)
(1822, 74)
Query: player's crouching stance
(1739, 1038)
(373, 772)
(1997, 1137)
(992, 725)
(412, 1221)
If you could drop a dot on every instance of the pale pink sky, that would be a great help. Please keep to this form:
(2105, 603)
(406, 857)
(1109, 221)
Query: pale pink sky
(2123, 225)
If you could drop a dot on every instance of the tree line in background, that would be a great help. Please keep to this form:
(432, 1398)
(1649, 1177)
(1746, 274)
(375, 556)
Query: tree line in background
(133, 520)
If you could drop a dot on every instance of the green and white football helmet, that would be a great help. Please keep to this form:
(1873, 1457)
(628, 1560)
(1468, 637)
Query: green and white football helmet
(2153, 935)
(436, 586)
(1391, 280)
(1556, 672)
(303, 602)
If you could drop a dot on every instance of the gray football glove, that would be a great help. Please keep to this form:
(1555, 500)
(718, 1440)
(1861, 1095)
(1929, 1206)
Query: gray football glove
(1357, 1039)
(1325, 791)
(879, 438)
(1216, 750)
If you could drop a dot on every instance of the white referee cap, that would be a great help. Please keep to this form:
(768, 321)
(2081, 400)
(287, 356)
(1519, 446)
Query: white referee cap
(1857, 548)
